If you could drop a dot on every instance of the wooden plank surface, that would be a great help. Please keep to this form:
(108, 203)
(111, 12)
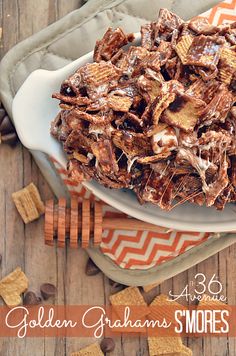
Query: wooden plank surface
(23, 245)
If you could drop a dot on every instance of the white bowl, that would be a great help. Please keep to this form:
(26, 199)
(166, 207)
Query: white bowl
(33, 111)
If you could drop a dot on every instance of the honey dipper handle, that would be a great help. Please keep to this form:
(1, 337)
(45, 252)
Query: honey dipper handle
(81, 224)
(84, 225)
(130, 224)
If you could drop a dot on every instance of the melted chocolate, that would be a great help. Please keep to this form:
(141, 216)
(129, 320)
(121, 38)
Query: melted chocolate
(177, 104)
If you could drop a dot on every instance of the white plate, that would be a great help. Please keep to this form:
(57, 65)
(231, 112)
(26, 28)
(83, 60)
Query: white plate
(33, 111)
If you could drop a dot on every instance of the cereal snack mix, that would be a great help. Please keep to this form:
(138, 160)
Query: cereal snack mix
(158, 118)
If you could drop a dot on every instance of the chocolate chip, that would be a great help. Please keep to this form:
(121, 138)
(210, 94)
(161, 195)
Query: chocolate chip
(48, 290)
(2, 114)
(115, 286)
(30, 298)
(233, 85)
(150, 295)
(107, 345)
(6, 125)
(10, 139)
(177, 104)
(7, 131)
(91, 268)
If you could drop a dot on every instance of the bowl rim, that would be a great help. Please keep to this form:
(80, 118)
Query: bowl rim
(138, 211)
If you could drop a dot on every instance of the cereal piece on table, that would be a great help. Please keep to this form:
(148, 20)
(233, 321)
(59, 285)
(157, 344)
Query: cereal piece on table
(28, 203)
(183, 46)
(186, 351)
(132, 297)
(161, 308)
(25, 206)
(33, 190)
(129, 296)
(165, 345)
(12, 286)
(91, 350)
(183, 112)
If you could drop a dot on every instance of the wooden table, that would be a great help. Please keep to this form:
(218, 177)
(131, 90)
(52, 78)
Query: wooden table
(23, 245)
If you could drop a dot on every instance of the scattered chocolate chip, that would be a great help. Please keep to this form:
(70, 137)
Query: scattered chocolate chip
(6, 125)
(48, 290)
(115, 286)
(10, 139)
(30, 298)
(107, 345)
(150, 295)
(91, 268)
(2, 114)
(7, 131)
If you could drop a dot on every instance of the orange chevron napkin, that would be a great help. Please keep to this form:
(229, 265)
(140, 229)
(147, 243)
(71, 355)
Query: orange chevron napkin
(143, 249)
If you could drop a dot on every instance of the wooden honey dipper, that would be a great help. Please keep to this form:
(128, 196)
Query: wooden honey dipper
(83, 220)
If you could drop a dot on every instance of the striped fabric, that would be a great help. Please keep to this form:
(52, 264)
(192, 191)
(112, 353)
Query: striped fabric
(138, 249)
